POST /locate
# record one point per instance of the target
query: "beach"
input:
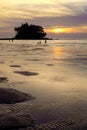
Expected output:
(48, 81)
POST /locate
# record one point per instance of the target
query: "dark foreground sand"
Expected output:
(14, 118)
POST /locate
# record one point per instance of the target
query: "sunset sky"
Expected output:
(60, 19)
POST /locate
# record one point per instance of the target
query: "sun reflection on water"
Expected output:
(57, 51)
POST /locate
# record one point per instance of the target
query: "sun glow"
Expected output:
(58, 30)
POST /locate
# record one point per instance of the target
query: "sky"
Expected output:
(61, 19)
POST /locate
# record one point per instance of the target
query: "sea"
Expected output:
(58, 79)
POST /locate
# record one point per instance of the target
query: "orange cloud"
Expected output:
(58, 30)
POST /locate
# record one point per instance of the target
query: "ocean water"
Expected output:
(60, 87)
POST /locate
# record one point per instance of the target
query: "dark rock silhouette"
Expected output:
(11, 96)
(26, 31)
(26, 73)
(3, 79)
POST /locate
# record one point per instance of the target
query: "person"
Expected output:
(45, 41)
(39, 42)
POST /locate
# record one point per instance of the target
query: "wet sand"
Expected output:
(10, 116)
(14, 114)
(56, 75)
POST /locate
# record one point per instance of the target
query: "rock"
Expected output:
(9, 96)
(15, 66)
(50, 64)
(3, 79)
(27, 73)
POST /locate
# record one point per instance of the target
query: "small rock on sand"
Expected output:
(3, 79)
(9, 96)
(15, 66)
(27, 73)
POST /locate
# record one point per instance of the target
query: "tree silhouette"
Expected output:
(26, 31)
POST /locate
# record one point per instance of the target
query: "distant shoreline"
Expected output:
(6, 38)
(26, 39)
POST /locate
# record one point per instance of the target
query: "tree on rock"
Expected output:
(26, 31)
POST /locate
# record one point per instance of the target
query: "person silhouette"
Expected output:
(45, 41)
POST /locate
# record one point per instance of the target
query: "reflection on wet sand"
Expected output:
(57, 51)
(55, 74)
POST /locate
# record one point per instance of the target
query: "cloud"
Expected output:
(46, 8)
(67, 30)
(48, 13)
(63, 21)
(69, 36)
(75, 23)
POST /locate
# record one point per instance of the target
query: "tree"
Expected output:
(26, 31)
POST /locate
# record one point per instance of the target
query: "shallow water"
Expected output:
(60, 87)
